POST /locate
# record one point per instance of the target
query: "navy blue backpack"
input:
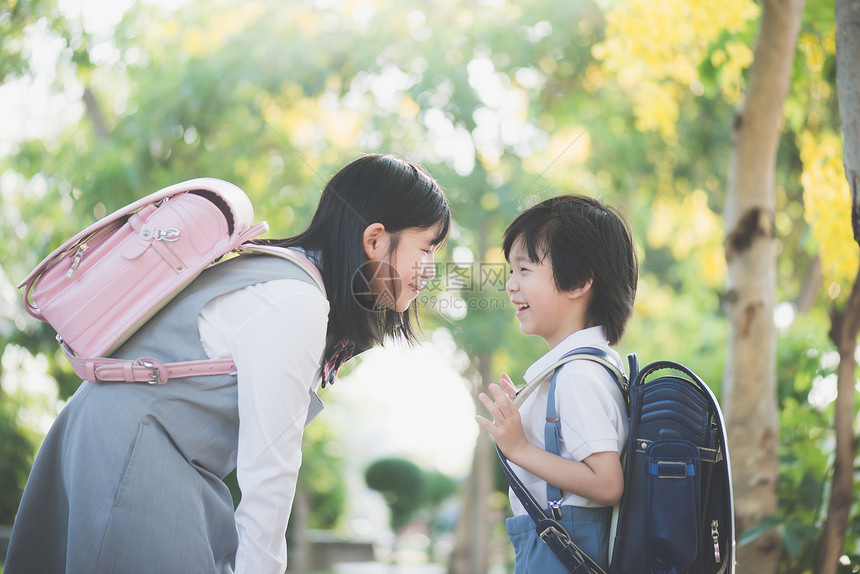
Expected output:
(676, 515)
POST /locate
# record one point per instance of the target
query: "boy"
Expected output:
(573, 275)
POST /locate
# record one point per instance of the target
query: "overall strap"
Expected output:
(552, 431)
(550, 531)
(551, 435)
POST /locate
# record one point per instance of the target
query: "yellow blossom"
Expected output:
(650, 46)
(827, 207)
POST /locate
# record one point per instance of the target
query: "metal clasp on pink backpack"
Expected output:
(159, 234)
(153, 365)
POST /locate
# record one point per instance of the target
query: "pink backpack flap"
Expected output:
(101, 285)
(153, 371)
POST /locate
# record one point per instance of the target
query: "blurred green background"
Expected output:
(505, 103)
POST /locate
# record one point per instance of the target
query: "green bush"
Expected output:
(16, 458)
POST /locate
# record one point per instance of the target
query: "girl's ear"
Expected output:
(580, 291)
(375, 241)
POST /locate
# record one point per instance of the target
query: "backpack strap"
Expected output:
(143, 370)
(290, 254)
(552, 430)
(594, 354)
(549, 529)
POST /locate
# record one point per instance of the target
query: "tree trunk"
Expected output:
(848, 90)
(844, 327)
(846, 323)
(299, 547)
(471, 550)
(811, 286)
(749, 386)
(95, 112)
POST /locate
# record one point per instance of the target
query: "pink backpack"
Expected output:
(104, 283)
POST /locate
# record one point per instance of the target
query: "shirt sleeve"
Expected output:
(275, 333)
(589, 406)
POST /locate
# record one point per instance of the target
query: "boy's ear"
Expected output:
(374, 240)
(581, 291)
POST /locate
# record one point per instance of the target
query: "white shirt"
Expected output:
(275, 333)
(589, 405)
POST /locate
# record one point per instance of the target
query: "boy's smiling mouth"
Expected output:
(521, 307)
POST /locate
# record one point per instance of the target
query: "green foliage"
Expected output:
(401, 484)
(438, 487)
(407, 488)
(660, 333)
(806, 446)
(16, 453)
(276, 96)
(321, 476)
(15, 17)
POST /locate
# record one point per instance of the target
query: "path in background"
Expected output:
(380, 568)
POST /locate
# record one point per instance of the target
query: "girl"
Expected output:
(129, 479)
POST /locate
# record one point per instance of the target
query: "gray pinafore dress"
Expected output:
(129, 478)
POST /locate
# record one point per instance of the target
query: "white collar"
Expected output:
(590, 337)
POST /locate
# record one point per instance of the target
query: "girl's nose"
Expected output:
(429, 267)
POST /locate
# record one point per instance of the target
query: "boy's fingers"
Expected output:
(508, 385)
(491, 406)
(499, 394)
(487, 425)
(503, 400)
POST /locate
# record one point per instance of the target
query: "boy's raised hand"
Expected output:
(506, 427)
(507, 385)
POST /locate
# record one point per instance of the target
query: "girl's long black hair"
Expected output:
(372, 189)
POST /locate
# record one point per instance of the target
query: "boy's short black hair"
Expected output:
(584, 239)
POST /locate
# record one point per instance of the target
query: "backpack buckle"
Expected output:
(672, 469)
(551, 530)
(155, 373)
(167, 234)
(555, 506)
